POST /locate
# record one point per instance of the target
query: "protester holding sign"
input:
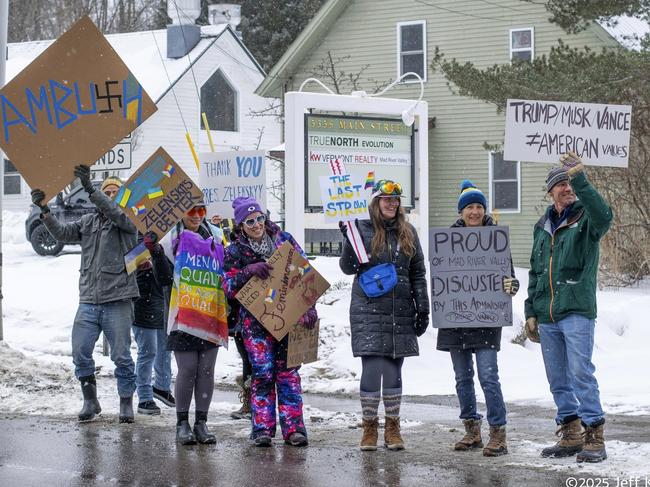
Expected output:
(561, 306)
(256, 239)
(484, 343)
(197, 323)
(389, 308)
(106, 291)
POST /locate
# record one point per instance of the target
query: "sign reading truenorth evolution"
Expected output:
(541, 131)
(384, 146)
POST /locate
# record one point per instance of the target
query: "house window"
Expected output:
(12, 181)
(412, 49)
(522, 44)
(219, 103)
(505, 184)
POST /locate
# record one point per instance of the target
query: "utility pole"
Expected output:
(4, 24)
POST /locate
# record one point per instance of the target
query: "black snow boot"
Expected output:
(184, 435)
(126, 410)
(91, 405)
(201, 431)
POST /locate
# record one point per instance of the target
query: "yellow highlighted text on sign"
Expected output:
(344, 198)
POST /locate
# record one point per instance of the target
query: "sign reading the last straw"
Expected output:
(363, 145)
(158, 194)
(70, 106)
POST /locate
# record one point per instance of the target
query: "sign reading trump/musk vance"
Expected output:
(224, 176)
(467, 270)
(361, 145)
(541, 131)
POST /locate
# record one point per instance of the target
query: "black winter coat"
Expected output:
(153, 284)
(470, 338)
(384, 325)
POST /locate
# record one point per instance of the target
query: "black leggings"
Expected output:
(247, 368)
(373, 368)
(195, 375)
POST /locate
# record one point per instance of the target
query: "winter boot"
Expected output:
(297, 439)
(369, 438)
(262, 441)
(91, 405)
(126, 410)
(497, 445)
(184, 435)
(164, 397)
(472, 438)
(202, 433)
(392, 436)
(594, 449)
(571, 440)
(148, 407)
(244, 412)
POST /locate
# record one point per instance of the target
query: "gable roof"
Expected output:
(139, 51)
(320, 25)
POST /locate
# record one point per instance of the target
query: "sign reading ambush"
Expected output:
(362, 145)
(541, 131)
(467, 270)
(70, 106)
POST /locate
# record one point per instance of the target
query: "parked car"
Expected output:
(68, 206)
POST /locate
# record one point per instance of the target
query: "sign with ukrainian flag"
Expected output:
(158, 194)
(70, 106)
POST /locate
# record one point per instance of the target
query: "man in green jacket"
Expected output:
(561, 306)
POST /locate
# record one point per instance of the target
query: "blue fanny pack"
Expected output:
(378, 280)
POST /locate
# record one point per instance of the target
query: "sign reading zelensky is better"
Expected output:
(541, 131)
(70, 106)
(224, 176)
(384, 146)
(158, 194)
(344, 198)
(467, 270)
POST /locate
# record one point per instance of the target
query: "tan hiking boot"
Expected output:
(593, 450)
(472, 438)
(571, 440)
(369, 438)
(244, 412)
(497, 445)
(392, 437)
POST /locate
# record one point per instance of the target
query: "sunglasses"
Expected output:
(251, 222)
(199, 211)
(389, 188)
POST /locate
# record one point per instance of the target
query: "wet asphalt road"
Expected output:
(52, 451)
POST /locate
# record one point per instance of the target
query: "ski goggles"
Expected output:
(199, 211)
(386, 188)
(251, 222)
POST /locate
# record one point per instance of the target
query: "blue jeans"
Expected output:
(152, 355)
(114, 319)
(567, 346)
(488, 377)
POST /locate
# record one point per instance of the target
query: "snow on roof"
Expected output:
(628, 31)
(137, 49)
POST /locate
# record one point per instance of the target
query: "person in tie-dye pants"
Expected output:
(256, 238)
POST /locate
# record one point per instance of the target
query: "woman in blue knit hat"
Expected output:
(483, 343)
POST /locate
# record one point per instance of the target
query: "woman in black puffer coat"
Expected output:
(385, 328)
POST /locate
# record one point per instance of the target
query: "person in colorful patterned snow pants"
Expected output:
(256, 238)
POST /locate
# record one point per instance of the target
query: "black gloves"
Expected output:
(83, 173)
(37, 198)
(150, 241)
(421, 323)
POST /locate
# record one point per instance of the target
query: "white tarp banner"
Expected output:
(541, 131)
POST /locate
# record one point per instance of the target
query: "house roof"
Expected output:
(624, 31)
(139, 51)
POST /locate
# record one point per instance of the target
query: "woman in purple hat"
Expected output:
(255, 240)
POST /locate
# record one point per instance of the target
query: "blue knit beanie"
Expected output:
(470, 194)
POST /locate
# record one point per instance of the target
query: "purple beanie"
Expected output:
(244, 206)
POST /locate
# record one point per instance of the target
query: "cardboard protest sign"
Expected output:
(467, 270)
(279, 301)
(224, 176)
(303, 345)
(541, 131)
(158, 194)
(344, 198)
(71, 105)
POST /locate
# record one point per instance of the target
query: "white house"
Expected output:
(218, 67)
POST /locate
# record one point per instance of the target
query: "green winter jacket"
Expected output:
(564, 263)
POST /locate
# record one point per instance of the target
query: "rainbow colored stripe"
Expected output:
(168, 170)
(370, 180)
(270, 295)
(139, 210)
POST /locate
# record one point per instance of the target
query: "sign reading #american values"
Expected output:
(541, 131)
(467, 270)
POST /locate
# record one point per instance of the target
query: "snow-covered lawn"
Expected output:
(40, 300)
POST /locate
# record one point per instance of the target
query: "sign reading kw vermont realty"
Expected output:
(226, 175)
(467, 270)
(541, 131)
(382, 145)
